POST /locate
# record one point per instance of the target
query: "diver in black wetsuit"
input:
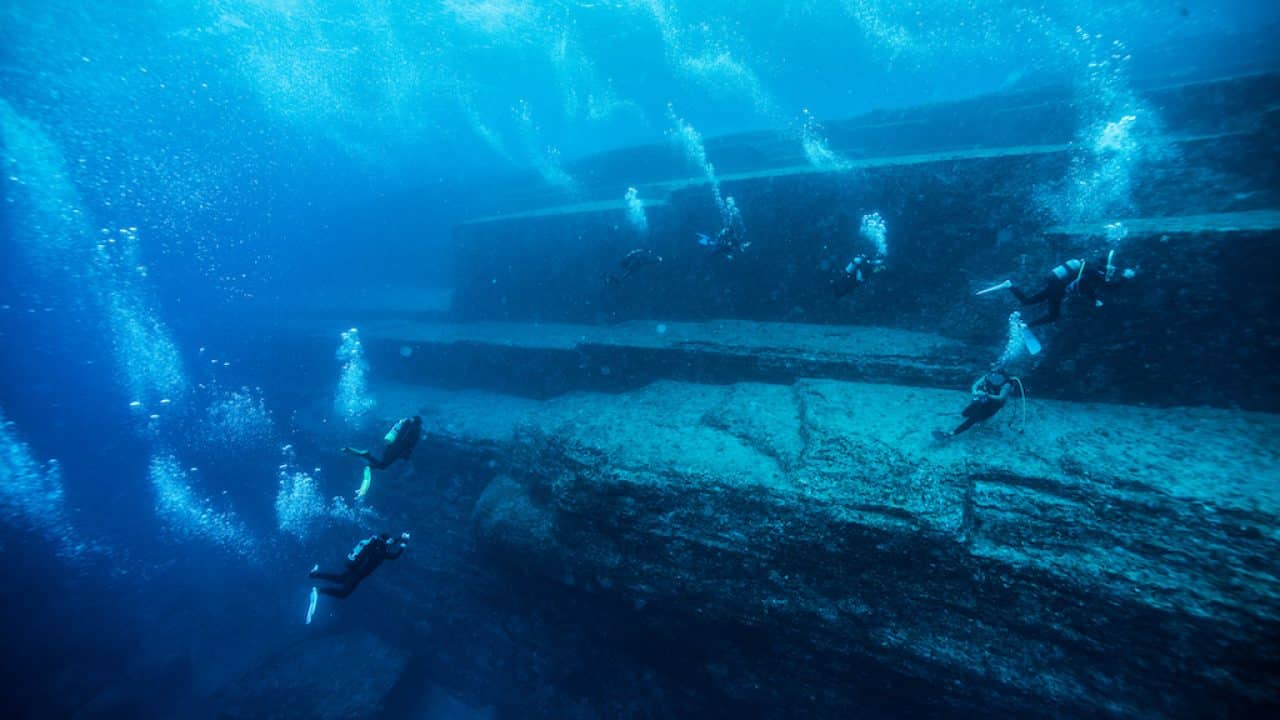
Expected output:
(1073, 277)
(633, 261)
(728, 242)
(990, 393)
(400, 443)
(363, 559)
(858, 271)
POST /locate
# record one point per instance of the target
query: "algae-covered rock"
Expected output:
(1108, 560)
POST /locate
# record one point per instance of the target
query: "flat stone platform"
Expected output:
(543, 359)
(1012, 570)
(658, 194)
(1249, 221)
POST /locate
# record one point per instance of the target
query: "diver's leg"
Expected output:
(1026, 299)
(843, 284)
(980, 414)
(344, 584)
(378, 463)
(362, 454)
(339, 591)
(332, 577)
(1055, 309)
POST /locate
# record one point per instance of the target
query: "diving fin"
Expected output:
(1002, 286)
(1030, 341)
(365, 483)
(703, 240)
(311, 609)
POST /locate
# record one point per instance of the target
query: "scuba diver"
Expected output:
(363, 559)
(1073, 277)
(990, 393)
(633, 261)
(402, 438)
(400, 441)
(727, 242)
(858, 271)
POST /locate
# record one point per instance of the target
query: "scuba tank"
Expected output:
(1069, 268)
(359, 548)
(395, 430)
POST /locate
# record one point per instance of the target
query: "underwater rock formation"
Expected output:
(964, 187)
(541, 360)
(811, 549)
(333, 677)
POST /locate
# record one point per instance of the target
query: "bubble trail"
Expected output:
(352, 401)
(635, 211)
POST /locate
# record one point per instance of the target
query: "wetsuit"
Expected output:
(1071, 277)
(854, 274)
(990, 398)
(633, 261)
(727, 242)
(367, 555)
(400, 443)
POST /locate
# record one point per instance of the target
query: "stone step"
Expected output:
(1251, 221)
(1001, 124)
(1005, 570)
(659, 194)
(545, 359)
(954, 227)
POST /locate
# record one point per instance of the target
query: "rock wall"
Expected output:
(761, 550)
(959, 217)
(335, 677)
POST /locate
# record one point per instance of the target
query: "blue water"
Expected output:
(181, 177)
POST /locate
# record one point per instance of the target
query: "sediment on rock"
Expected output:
(1016, 572)
(333, 677)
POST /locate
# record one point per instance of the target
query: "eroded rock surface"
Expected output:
(334, 677)
(546, 359)
(1108, 560)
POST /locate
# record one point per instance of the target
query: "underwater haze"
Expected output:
(716, 359)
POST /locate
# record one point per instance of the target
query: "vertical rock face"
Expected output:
(825, 556)
(979, 209)
(544, 360)
(336, 677)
